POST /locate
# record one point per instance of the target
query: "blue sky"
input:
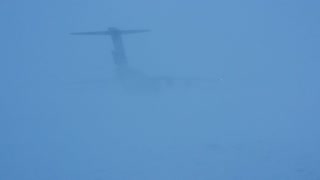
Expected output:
(59, 120)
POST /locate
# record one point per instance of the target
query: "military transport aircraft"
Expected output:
(129, 77)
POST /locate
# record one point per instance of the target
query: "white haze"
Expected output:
(61, 119)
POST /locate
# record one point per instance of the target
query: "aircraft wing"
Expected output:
(185, 81)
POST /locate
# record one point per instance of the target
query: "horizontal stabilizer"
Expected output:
(112, 31)
(134, 31)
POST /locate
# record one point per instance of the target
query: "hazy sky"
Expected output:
(60, 121)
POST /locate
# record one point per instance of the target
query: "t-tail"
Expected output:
(118, 53)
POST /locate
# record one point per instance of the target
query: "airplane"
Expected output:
(130, 77)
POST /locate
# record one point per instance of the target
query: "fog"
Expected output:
(63, 117)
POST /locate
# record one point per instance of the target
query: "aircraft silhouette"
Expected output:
(129, 76)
